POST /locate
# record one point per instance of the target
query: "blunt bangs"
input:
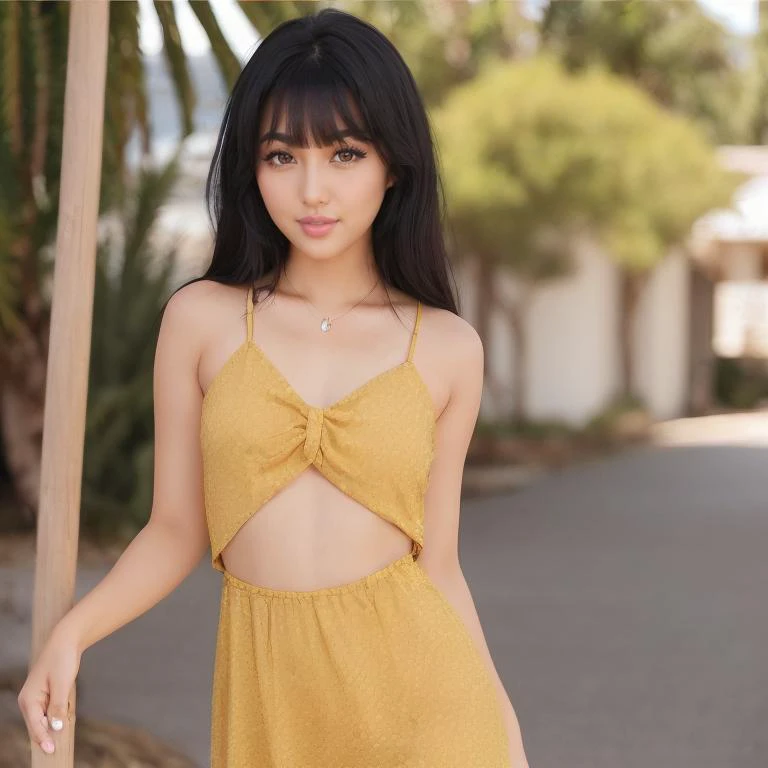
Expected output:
(317, 107)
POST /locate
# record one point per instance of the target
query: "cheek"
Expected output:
(373, 180)
(272, 192)
(362, 193)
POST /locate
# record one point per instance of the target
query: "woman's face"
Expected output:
(345, 182)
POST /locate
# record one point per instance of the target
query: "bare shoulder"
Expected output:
(452, 354)
(197, 310)
(455, 340)
(198, 300)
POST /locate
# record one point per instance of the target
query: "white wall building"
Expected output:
(573, 348)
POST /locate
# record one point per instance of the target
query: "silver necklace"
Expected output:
(325, 323)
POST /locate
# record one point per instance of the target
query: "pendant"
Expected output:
(325, 325)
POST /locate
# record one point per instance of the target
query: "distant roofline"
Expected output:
(744, 221)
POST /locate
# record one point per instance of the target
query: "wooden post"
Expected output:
(70, 340)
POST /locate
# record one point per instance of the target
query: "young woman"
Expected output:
(315, 394)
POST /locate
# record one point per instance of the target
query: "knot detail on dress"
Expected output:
(314, 432)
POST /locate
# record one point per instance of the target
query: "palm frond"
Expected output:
(228, 64)
(177, 64)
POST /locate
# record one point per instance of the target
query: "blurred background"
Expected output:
(606, 176)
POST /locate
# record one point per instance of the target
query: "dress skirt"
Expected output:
(380, 672)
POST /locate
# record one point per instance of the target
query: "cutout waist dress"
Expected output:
(375, 444)
(379, 672)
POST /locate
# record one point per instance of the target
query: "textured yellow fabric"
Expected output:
(377, 673)
(376, 443)
(380, 672)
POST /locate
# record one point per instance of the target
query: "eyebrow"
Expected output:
(285, 138)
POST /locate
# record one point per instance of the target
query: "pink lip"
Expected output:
(316, 220)
(317, 227)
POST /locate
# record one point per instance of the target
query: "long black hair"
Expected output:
(313, 69)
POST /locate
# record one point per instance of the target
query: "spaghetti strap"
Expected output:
(249, 313)
(415, 332)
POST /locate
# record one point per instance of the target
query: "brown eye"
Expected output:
(356, 154)
(276, 153)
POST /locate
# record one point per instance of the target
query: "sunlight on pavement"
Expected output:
(724, 429)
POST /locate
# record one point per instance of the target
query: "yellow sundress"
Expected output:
(380, 672)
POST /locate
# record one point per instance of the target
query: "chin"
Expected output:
(319, 251)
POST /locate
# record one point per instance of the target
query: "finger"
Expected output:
(58, 707)
(37, 724)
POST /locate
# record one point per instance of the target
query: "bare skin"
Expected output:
(310, 534)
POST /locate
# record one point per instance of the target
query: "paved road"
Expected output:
(624, 603)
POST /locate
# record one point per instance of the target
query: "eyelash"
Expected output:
(358, 153)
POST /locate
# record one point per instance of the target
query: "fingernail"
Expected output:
(56, 724)
(47, 746)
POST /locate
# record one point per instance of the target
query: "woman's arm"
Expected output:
(174, 539)
(440, 557)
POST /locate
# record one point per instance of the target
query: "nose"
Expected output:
(313, 185)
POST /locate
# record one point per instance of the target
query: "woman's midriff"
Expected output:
(310, 536)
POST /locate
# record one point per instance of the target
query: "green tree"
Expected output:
(133, 280)
(758, 132)
(445, 44)
(675, 52)
(534, 159)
